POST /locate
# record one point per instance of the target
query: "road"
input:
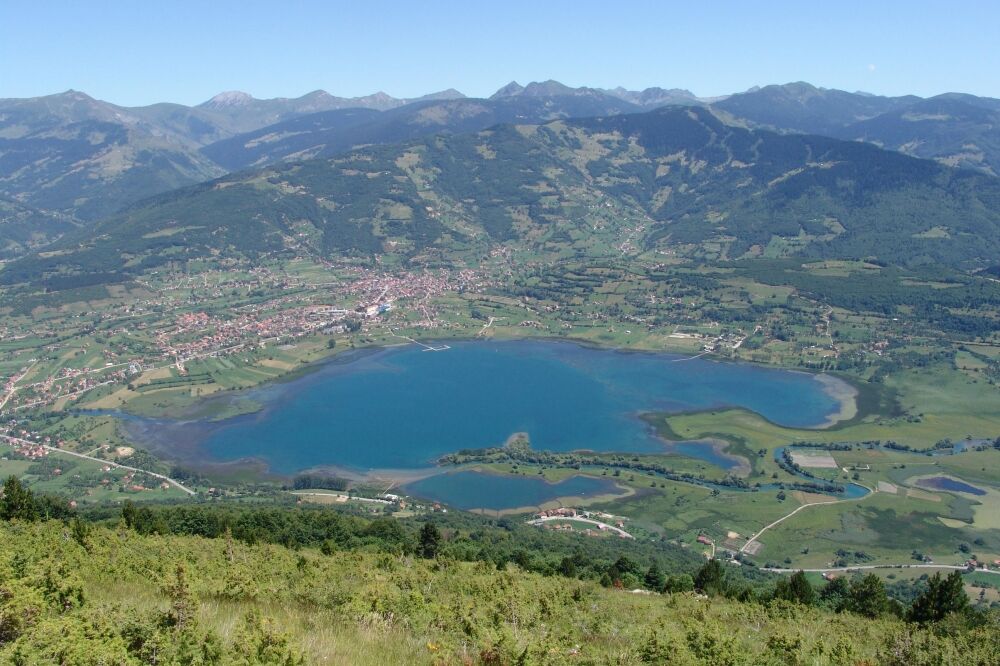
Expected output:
(53, 449)
(789, 515)
(341, 497)
(488, 324)
(690, 358)
(13, 384)
(611, 528)
(417, 342)
(954, 567)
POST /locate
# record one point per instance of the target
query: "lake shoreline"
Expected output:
(843, 393)
(188, 449)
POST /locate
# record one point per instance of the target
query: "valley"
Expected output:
(192, 340)
(557, 374)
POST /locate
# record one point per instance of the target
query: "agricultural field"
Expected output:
(162, 346)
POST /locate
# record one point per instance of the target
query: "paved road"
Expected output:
(610, 528)
(954, 567)
(341, 496)
(53, 449)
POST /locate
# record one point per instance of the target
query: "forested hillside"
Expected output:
(23, 228)
(676, 179)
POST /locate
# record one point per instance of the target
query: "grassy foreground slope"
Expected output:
(123, 598)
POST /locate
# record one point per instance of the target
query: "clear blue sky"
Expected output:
(143, 51)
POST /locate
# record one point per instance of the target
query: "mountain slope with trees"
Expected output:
(330, 133)
(678, 178)
(954, 129)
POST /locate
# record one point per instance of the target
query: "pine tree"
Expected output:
(836, 594)
(796, 588)
(129, 514)
(943, 597)
(868, 597)
(80, 531)
(183, 606)
(710, 578)
(17, 502)
(430, 539)
(654, 578)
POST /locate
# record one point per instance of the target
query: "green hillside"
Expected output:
(960, 130)
(23, 228)
(802, 107)
(97, 595)
(87, 158)
(333, 132)
(676, 180)
(954, 129)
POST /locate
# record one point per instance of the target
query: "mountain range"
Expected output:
(953, 128)
(676, 181)
(68, 160)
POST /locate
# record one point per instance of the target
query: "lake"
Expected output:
(950, 484)
(401, 408)
(478, 490)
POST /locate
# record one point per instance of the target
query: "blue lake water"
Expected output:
(706, 451)
(947, 483)
(477, 490)
(402, 408)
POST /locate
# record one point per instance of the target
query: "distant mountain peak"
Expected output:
(228, 99)
(317, 94)
(511, 89)
(379, 98)
(77, 95)
(548, 88)
(652, 97)
(450, 93)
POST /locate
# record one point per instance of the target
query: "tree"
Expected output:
(625, 572)
(867, 597)
(654, 578)
(17, 502)
(430, 540)
(796, 588)
(836, 594)
(943, 597)
(567, 567)
(657, 650)
(183, 606)
(129, 514)
(80, 531)
(259, 643)
(801, 589)
(388, 534)
(679, 583)
(710, 579)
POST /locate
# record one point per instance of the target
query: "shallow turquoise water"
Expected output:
(477, 490)
(403, 407)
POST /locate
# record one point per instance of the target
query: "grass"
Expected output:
(376, 608)
(888, 528)
(940, 403)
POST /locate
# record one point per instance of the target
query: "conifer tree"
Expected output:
(943, 597)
